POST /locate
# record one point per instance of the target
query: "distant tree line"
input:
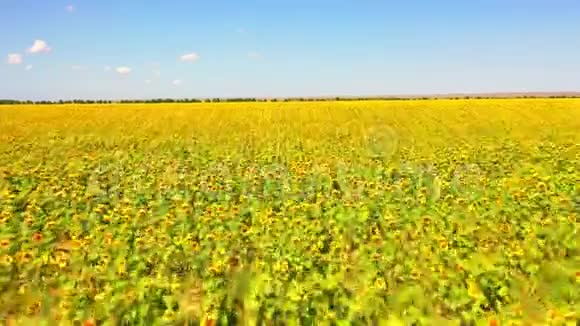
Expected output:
(289, 99)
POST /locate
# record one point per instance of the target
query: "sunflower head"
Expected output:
(4, 243)
(37, 237)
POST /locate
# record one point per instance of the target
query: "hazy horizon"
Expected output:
(182, 49)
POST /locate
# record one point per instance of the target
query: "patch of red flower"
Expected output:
(89, 322)
(37, 237)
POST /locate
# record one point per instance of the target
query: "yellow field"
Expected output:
(310, 212)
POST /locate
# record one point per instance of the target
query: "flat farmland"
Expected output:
(419, 211)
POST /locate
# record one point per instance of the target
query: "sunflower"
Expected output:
(541, 187)
(377, 257)
(4, 243)
(108, 238)
(4, 216)
(89, 322)
(6, 260)
(23, 257)
(62, 261)
(380, 284)
(215, 269)
(443, 243)
(416, 274)
(33, 308)
(37, 237)
(169, 315)
(505, 227)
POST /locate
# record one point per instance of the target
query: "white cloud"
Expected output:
(190, 57)
(70, 8)
(254, 55)
(107, 68)
(14, 59)
(28, 68)
(39, 46)
(176, 82)
(78, 67)
(148, 81)
(123, 70)
(157, 73)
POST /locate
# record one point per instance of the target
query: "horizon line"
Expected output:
(465, 95)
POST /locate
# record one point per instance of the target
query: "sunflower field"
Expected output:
(423, 212)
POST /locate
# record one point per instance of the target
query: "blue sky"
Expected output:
(187, 48)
